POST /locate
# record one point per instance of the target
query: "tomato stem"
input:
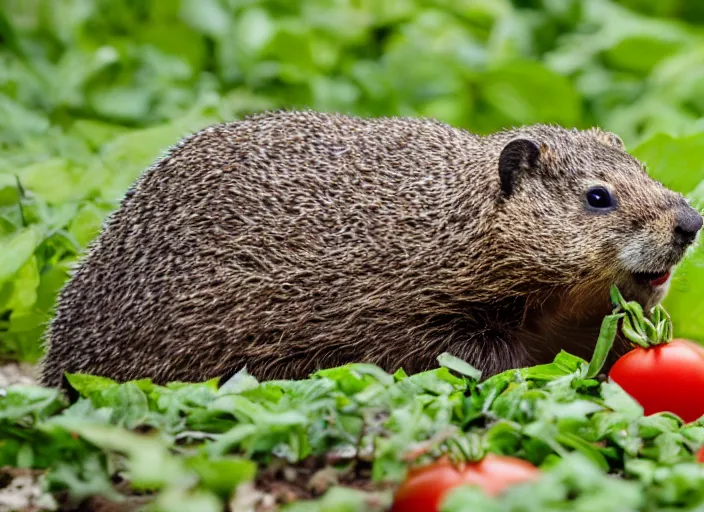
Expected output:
(641, 329)
(470, 448)
(635, 325)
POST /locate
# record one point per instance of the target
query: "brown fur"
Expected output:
(293, 241)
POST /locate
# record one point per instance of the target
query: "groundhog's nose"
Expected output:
(689, 222)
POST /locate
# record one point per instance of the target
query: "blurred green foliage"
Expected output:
(92, 91)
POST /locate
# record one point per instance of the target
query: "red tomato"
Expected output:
(425, 487)
(668, 377)
(700, 454)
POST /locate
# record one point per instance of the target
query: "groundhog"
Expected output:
(293, 241)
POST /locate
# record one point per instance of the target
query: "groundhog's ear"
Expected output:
(517, 157)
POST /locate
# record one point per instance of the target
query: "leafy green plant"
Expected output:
(200, 443)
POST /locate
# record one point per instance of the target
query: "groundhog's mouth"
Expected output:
(652, 278)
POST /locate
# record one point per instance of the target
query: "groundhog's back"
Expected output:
(285, 242)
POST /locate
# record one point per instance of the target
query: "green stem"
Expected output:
(635, 326)
(607, 335)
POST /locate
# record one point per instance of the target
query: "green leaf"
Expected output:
(607, 335)
(206, 16)
(150, 463)
(86, 385)
(439, 381)
(29, 402)
(354, 378)
(224, 443)
(51, 179)
(183, 500)
(527, 92)
(468, 498)
(640, 53)
(458, 365)
(585, 448)
(563, 364)
(16, 250)
(84, 480)
(239, 382)
(669, 447)
(24, 288)
(618, 400)
(656, 424)
(222, 475)
(683, 301)
(246, 410)
(673, 160)
(123, 104)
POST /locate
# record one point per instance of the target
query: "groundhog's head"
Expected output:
(575, 209)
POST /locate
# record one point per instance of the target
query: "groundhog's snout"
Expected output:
(688, 223)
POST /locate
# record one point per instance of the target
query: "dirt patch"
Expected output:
(279, 484)
(17, 373)
(21, 489)
(283, 483)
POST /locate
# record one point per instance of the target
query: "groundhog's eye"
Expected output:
(599, 197)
